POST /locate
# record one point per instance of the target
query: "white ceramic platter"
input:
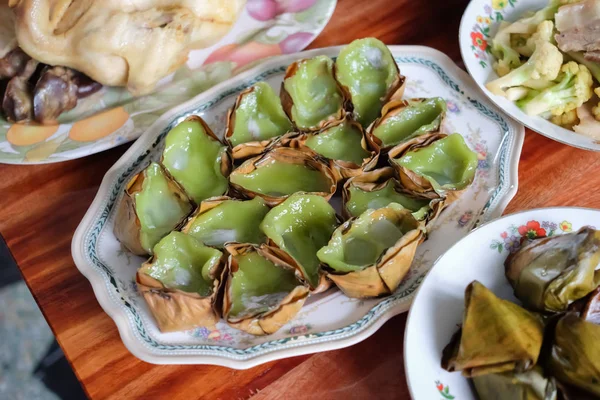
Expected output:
(112, 116)
(329, 320)
(438, 307)
(478, 26)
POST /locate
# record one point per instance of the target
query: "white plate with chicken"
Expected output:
(539, 61)
(74, 83)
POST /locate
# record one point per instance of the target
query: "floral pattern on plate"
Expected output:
(515, 235)
(112, 116)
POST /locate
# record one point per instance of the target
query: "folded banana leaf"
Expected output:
(221, 220)
(403, 120)
(369, 256)
(310, 95)
(281, 172)
(550, 273)
(435, 165)
(180, 283)
(152, 206)
(528, 385)
(344, 143)
(367, 71)
(378, 188)
(575, 355)
(255, 120)
(496, 336)
(261, 294)
(196, 159)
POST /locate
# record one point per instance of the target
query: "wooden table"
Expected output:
(40, 207)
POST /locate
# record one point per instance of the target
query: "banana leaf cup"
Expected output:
(261, 294)
(575, 354)
(255, 121)
(379, 188)
(180, 283)
(197, 159)
(369, 256)
(220, 220)
(281, 172)
(496, 336)
(152, 206)
(549, 274)
(349, 150)
(296, 229)
(402, 120)
(527, 385)
(310, 95)
(367, 71)
(435, 165)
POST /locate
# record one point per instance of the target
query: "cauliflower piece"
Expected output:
(529, 24)
(517, 93)
(566, 120)
(588, 125)
(592, 66)
(544, 63)
(596, 109)
(574, 88)
(507, 58)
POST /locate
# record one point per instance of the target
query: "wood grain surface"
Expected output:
(40, 207)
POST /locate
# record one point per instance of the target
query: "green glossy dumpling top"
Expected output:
(258, 285)
(314, 92)
(367, 69)
(448, 163)
(158, 206)
(258, 116)
(408, 119)
(230, 221)
(362, 200)
(182, 262)
(300, 226)
(369, 236)
(339, 142)
(194, 159)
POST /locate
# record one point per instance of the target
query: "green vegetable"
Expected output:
(368, 70)
(311, 96)
(256, 116)
(300, 226)
(222, 221)
(159, 207)
(194, 156)
(182, 262)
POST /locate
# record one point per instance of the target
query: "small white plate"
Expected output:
(439, 303)
(330, 320)
(479, 24)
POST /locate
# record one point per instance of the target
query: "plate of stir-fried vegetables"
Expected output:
(539, 60)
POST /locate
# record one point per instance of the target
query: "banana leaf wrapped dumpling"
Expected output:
(368, 256)
(195, 158)
(296, 229)
(575, 354)
(221, 220)
(310, 95)
(496, 336)
(281, 172)
(378, 188)
(435, 165)
(403, 120)
(180, 283)
(261, 293)
(550, 273)
(366, 69)
(153, 205)
(344, 143)
(255, 120)
(527, 385)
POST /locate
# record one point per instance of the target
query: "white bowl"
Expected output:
(438, 306)
(330, 320)
(480, 21)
